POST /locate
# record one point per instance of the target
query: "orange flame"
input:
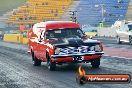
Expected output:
(81, 71)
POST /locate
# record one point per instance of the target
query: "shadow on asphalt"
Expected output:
(69, 68)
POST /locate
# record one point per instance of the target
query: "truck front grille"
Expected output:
(82, 49)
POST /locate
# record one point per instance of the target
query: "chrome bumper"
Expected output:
(78, 54)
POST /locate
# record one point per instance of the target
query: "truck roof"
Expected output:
(51, 25)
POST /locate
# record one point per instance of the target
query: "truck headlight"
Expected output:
(57, 50)
(97, 48)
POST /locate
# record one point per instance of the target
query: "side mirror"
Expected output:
(91, 37)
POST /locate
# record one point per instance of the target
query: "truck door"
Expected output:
(42, 47)
(120, 33)
(36, 50)
(125, 34)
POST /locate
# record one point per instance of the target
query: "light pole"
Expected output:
(102, 10)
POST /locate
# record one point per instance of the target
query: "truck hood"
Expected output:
(74, 42)
(126, 32)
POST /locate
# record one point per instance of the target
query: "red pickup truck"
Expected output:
(58, 42)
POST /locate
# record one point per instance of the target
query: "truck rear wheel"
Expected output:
(36, 61)
(95, 63)
(51, 65)
(119, 40)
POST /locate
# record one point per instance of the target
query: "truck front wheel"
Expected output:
(119, 40)
(36, 61)
(95, 63)
(51, 65)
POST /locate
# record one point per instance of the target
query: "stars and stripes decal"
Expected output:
(76, 50)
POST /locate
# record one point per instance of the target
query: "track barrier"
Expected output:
(15, 38)
(107, 32)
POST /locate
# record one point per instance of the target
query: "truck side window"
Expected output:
(130, 27)
(50, 35)
(126, 28)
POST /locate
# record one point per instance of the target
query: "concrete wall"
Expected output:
(15, 38)
(107, 32)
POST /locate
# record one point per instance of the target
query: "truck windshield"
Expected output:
(130, 27)
(64, 33)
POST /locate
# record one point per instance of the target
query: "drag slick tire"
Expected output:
(130, 40)
(36, 61)
(95, 63)
(51, 65)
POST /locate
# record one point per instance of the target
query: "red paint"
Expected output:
(92, 57)
(67, 59)
(61, 25)
(70, 59)
(41, 49)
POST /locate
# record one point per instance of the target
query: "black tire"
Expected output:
(36, 61)
(130, 40)
(51, 65)
(119, 40)
(95, 63)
